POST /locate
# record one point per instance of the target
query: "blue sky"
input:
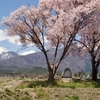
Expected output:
(6, 7)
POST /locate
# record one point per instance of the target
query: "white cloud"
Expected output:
(13, 40)
(2, 49)
(3, 35)
(27, 52)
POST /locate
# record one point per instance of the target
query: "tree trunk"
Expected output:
(94, 67)
(51, 77)
(94, 71)
(94, 74)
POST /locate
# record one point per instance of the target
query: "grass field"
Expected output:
(30, 89)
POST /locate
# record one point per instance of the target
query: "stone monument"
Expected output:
(66, 75)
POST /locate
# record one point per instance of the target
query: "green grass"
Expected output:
(26, 93)
(74, 97)
(59, 84)
(25, 98)
(79, 84)
(56, 95)
(9, 92)
(41, 94)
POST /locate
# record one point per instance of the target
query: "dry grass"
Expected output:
(27, 89)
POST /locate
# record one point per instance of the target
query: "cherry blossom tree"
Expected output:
(90, 41)
(55, 21)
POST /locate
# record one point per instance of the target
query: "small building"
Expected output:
(66, 75)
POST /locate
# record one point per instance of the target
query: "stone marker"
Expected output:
(66, 75)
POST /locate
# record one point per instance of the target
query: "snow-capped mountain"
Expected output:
(5, 54)
(37, 59)
(11, 60)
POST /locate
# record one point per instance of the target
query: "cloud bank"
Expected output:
(4, 36)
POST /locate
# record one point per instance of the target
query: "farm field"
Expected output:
(33, 89)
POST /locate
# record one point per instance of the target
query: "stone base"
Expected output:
(66, 80)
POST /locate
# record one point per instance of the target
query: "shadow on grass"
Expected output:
(59, 84)
(42, 84)
(95, 83)
(90, 83)
(47, 84)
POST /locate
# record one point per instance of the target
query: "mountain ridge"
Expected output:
(38, 59)
(7, 55)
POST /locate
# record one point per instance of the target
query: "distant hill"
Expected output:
(34, 70)
(16, 62)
